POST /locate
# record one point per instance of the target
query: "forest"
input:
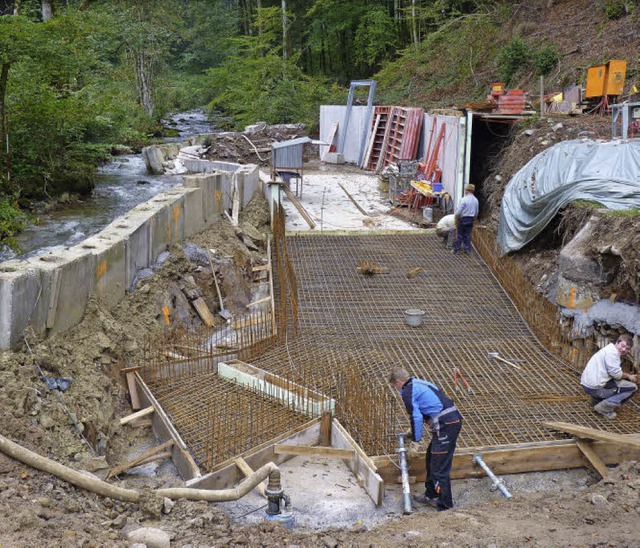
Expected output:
(81, 80)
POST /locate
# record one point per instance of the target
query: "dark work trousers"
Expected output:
(439, 460)
(465, 226)
(614, 393)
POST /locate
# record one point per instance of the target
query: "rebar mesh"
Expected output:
(346, 317)
(339, 332)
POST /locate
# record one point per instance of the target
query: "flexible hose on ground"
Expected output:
(105, 489)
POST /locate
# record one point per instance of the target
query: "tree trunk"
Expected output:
(414, 24)
(285, 41)
(47, 9)
(16, 7)
(259, 4)
(4, 145)
(144, 77)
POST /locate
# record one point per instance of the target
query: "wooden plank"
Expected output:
(117, 470)
(142, 413)
(247, 471)
(514, 459)
(203, 311)
(259, 301)
(133, 391)
(361, 465)
(226, 474)
(260, 267)
(591, 456)
(163, 428)
(325, 429)
(593, 434)
(353, 201)
(299, 207)
(314, 451)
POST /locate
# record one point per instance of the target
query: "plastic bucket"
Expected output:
(427, 214)
(413, 316)
(437, 187)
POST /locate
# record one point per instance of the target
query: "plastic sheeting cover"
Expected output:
(607, 172)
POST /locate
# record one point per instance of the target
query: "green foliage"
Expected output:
(518, 57)
(375, 39)
(12, 221)
(513, 57)
(615, 9)
(443, 67)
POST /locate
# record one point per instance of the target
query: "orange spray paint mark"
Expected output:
(100, 272)
(165, 313)
(572, 297)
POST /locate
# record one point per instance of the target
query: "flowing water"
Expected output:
(121, 185)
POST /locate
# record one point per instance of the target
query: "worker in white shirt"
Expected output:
(604, 380)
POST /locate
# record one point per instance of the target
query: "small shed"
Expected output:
(287, 160)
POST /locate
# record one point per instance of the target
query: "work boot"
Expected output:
(606, 410)
(424, 499)
(593, 401)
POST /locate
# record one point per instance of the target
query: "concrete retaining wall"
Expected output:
(50, 292)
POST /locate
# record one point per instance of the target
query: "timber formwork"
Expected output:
(342, 333)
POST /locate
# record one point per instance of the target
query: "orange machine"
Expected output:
(603, 80)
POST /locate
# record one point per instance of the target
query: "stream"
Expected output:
(121, 185)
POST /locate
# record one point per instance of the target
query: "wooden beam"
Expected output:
(259, 301)
(590, 454)
(353, 201)
(325, 429)
(163, 428)
(139, 414)
(361, 465)
(117, 470)
(593, 434)
(299, 207)
(247, 471)
(513, 459)
(203, 311)
(133, 390)
(314, 451)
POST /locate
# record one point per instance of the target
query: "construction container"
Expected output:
(615, 77)
(595, 81)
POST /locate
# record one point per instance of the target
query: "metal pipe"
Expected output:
(404, 468)
(497, 482)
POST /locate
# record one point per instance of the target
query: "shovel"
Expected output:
(224, 313)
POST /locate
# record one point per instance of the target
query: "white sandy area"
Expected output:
(330, 208)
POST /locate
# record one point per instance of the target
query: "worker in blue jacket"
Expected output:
(426, 403)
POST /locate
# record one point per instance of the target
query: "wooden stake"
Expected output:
(142, 413)
(203, 311)
(247, 471)
(139, 460)
(591, 456)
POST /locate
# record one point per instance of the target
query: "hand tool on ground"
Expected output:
(404, 469)
(458, 375)
(496, 356)
(223, 312)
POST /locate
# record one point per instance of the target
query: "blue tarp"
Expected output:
(607, 172)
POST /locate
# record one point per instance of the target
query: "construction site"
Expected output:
(281, 293)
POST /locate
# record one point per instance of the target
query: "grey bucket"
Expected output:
(413, 316)
(427, 214)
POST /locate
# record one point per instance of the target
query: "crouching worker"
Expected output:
(604, 380)
(446, 229)
(426, 403)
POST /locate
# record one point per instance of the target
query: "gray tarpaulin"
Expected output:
(607, 172)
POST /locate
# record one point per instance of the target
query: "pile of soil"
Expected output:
(254, 144)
